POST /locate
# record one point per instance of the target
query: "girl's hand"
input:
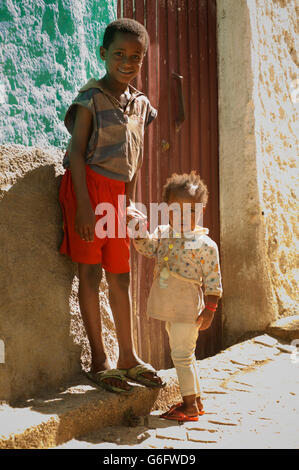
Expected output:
(130, 217)
(205, 319)
(140, 227)
(132, 213)
(85, 223)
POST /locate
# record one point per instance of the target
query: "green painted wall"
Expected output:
(49, 48)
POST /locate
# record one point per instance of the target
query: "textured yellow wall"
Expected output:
(258, 127)
(275, 65)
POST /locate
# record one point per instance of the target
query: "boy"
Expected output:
(107, 122)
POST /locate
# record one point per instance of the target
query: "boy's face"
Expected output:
(189, 214)
(124, 57)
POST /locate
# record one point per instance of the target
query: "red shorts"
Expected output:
(113, 252)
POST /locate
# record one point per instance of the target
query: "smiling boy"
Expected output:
(107, 122)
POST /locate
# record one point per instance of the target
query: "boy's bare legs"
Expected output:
(90, 276)
(89, 282)
(120, 302)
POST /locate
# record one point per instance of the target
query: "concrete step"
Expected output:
(77, 409)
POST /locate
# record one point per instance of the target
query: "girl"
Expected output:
(185, 258)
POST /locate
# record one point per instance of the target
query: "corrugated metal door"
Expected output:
(179, 76)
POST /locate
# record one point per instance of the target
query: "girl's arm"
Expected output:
(212, 285)
(148, 245)
(85, 216)
(211, 270)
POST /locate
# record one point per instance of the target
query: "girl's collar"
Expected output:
(190, 235)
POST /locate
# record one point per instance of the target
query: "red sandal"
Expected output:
(177, 415)
(174, 407)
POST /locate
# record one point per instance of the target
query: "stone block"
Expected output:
(286, 348)
(285, 329)
(224, 421)
(177, 433)
(201, 425)
(202, 436)
(265, 340)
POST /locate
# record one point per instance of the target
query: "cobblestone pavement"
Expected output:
(250, 394)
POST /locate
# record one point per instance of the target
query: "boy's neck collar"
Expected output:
(93, 83)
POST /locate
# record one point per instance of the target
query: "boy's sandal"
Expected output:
(136, 374)
(99, 379)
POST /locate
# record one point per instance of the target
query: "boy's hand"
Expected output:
(85, 223)
(205, 319)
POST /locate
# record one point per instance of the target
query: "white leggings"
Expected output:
(182, 340)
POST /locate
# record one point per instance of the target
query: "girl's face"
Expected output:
(185, 214)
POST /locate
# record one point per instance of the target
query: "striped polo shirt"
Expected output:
(115, 147)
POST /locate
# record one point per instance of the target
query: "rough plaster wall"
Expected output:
(257, 149)
(275, 64)
(247, 300)
(40, 321)
(49, 48)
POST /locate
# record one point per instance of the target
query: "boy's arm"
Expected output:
(131, 189)
(85, 217)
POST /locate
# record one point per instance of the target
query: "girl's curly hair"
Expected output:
(189, 183)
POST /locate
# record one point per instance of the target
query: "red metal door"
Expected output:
(179, 76)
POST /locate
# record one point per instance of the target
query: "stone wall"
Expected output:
(34, 279)
(258, 128)
(40, 323)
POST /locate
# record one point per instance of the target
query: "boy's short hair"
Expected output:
(125, 25)
(188, 183)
